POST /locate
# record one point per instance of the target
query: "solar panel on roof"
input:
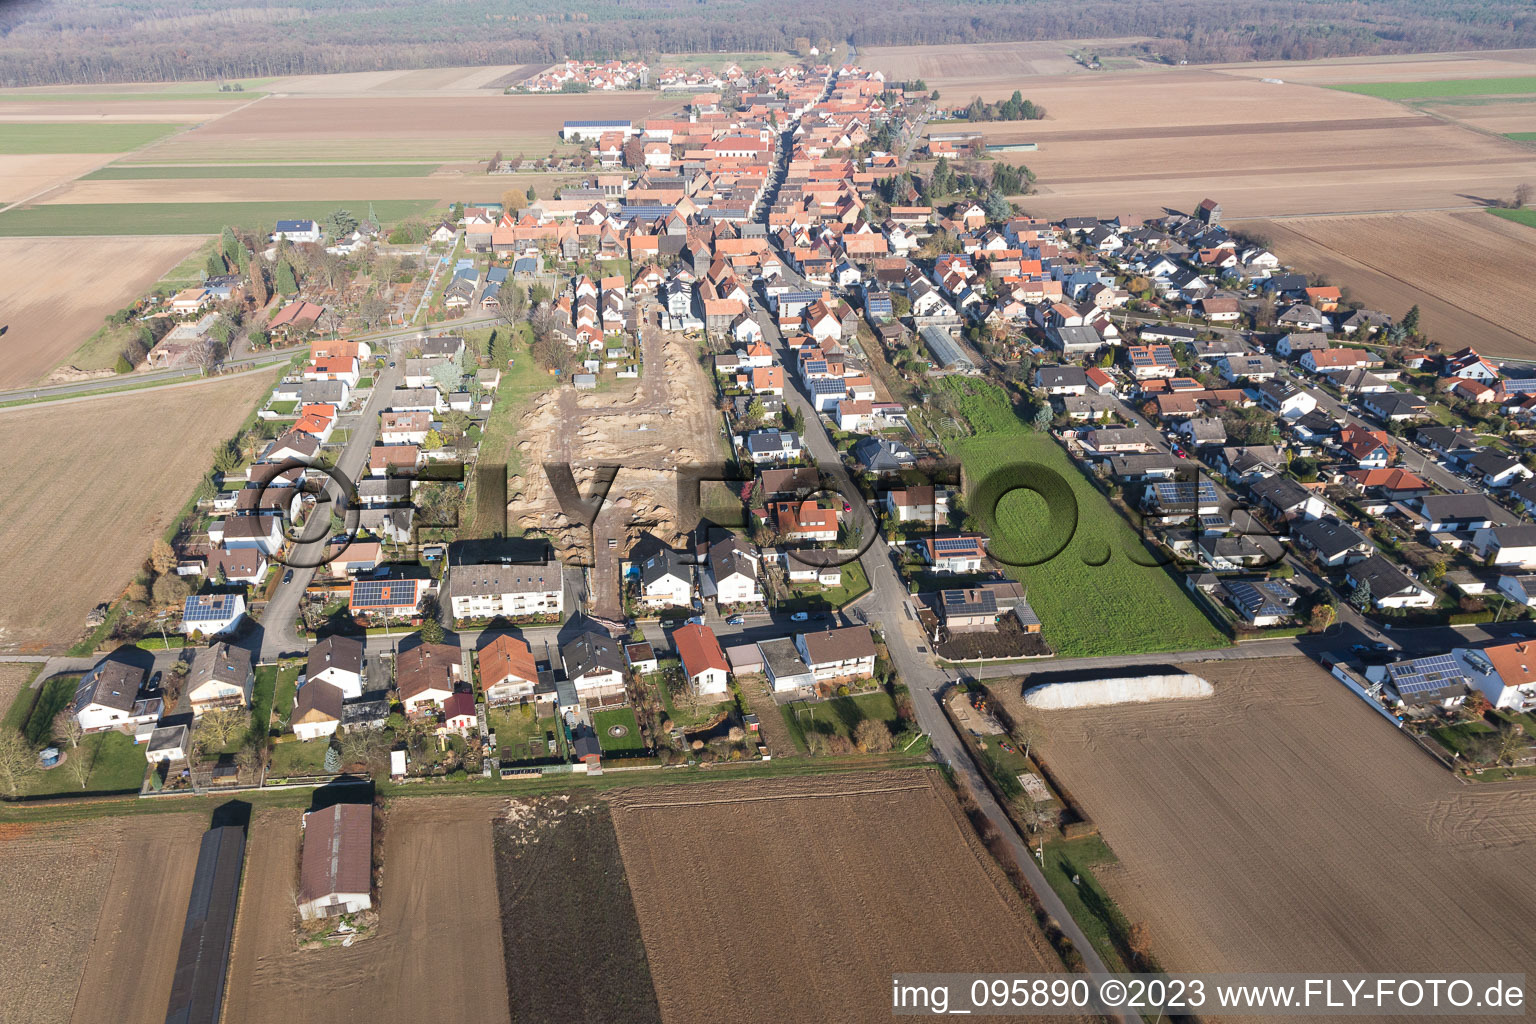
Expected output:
(1424, 674)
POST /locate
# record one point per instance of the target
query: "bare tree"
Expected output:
(66, 728)
(78, 763)
(221, 725)
(1522, 196)
(18, 761)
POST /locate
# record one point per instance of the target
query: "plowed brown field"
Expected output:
(796, 900)
(397, 128)
(49, 312)
(95, 911)
(1283, 826)
(437, 951)
(1469, 273)
(86, 486)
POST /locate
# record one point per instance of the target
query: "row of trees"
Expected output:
(141, 41)
(1014, 108)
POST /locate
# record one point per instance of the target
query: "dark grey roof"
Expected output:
(1329, 536)
(493, 579)
(1470, 507)
(592, 653)
(665, 562)
(112, 684)
(1061, 376)
(341, 652)
(1279, 491)
(1385, 578)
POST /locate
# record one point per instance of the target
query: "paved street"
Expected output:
(276, 635)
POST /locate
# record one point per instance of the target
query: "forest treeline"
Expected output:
(52, 42)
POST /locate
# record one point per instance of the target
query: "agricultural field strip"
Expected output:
(629, 805)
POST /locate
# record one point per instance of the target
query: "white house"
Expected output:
(703, 661)
(1519, 589)
(595, 666)
(732, 574)
(211, 614)
(1507, 545)
(316, 710)
(107, 698)
(338, 660)
(666, 581)
(518, 590)
(222, 676)
(838, 654)
(297, 231)
(1506, 673)
(264, 533)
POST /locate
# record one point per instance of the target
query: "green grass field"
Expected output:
(297, 758)
(184, 218)
(1091, 598)
(157, 172)
(1448, 87)
(630, 742)
(839, 716)
(1521, 136)
(1526, 216)
(117, 765)
(80, 137)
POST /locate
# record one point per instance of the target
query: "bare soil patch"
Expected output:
(51, 308)
(95, 910)
(1449, 264)
(991, 70)
(399, 127)
(651, 426)
(1276, 827)
(13, 679)
(86, 487)
(1393, 68)
(25, 174)
(562, 887)
(775, 900)
(132, 957)
(435, 953)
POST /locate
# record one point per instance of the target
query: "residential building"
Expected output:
(732, 576)
(221, 676)
(1506, 546)
(316, 710)
(338, 660)
(426, 675)
(107, 697)
(956, 553)
(336, 867)
(595, 666)
(512, 591)
(836, 656)
(212, 614)
(1505, 673)
(666, 581)
(785, 668)
(508, 672)
(703, 661)
(1332, 541)
(1390, 586)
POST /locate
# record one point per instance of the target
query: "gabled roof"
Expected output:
(338, 851)
(699, 649)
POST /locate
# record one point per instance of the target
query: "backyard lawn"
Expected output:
(295, 758)
(287, 690)
(1091, 597)
(807, 597)
(840, 715)
(117, 765)
(519, 736)
(618, 718)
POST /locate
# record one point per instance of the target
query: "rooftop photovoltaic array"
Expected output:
(1424, 674)
(208, 607)
(383, 592)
